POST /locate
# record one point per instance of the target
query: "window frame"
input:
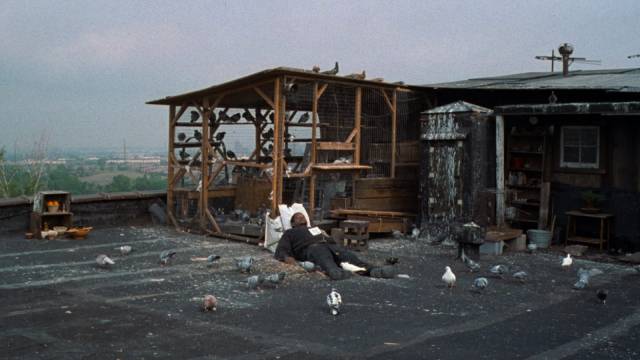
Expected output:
(580, 165)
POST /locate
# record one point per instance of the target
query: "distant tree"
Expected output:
(62, 178)
(119, 183)
(35, 165)
(150, 182)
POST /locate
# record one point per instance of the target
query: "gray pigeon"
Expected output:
(275, 279)
(211, 259)
(472, 265)
(304, 118)
(125, 249)
(415, 233)
(104, 261)
(479, 284)
(521, 276)
(254, 281)
(499, 270)
(244, 264)
(637, 268)
(166, 256)
(307, 265)
(584, 276)
(397, 234)
(334, 300)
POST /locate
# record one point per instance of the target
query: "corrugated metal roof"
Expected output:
(621, 80)
(605, 108)
(458, 107)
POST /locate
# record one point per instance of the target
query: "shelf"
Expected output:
(523, 221)
(531, 187)
(586, 240)
(525, 203)
(526, 170)
(536, 153)
(59, 213)
(340, 167)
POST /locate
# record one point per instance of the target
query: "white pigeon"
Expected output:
(480, 283)
(350, 267)
(566, 262)
(449, 277)
(334, 300)
(104, 261)
(125, 249)
(521, 276)
(415, 233)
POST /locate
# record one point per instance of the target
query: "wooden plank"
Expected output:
(383, 224)
(389, 193)
(358, 125)
(386, 99)
(500, 164)
(335, 145)
(409, 203)
(177, 116)
(277, 149)
(339, 167)
(212, 220)
(373, 213)
(312, 196)
(384, 183)
(394, 133)
(171, 163)
(204, 170)
(265, 97)
(543, 219)
(352, 135)
(322, 89)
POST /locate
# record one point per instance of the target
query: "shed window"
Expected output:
(580, 147)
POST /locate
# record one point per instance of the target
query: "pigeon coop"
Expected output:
(302, 136)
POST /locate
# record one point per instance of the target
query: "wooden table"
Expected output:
(605, 221)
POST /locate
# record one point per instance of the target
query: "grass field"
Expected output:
(105, 178)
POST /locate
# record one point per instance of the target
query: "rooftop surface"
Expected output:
(57, 304)
(619, 80)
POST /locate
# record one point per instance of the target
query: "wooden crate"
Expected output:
(408, 152)
(252, 194)
(386, 194)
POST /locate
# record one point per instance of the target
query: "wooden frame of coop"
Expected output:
(272, 99)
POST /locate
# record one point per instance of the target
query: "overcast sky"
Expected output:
(81, 71)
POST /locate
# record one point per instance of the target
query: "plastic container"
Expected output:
(541, 238)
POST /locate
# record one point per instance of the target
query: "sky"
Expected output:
(80, 72)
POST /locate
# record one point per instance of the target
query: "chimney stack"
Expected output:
(565, 50)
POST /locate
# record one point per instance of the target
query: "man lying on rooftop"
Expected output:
(301, 243)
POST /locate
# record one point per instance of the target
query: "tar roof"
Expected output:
(618, 80)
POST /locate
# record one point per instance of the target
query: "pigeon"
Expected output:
(220, 135)
(391, 260)
(247, 115)
(104, 261)
(235, 117)
(602, 296)
(209, 303)
(499, 270)
(449, 277)
(125, 249)
(479, 284)
(166, 256)
(472, 265)
(315, 69)
(584, 276)
(231, 155)
(637, 268)
(304, 118)
(350, 267)
(532, 248)
(244, 264)
(415, 233)
(272, 117)
(566, 262)
(211, 259)
(521, 276)
(254, 281)
(276, 279)
(194, 116)
(333, 71)
(307, 265)
(397, 234)
(268, 135)
(334, 300)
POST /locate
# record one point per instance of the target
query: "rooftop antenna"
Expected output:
(565, 51)
(633, 56)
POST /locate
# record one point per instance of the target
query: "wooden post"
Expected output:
(258, 124)
(314, 134)
(500, 189)
(170, 164)
(394, 120)
(357, 125)
(276, 181)
(204, 167)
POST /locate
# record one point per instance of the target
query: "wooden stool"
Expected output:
(355, 233)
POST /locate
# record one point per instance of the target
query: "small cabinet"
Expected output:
(51, 208)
